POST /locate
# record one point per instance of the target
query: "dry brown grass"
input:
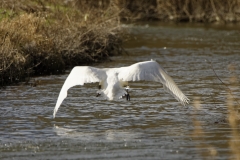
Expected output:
(181, 10)
(20, 39)
(46, 37)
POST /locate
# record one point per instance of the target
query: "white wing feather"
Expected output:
(79, 76)
(152, 71)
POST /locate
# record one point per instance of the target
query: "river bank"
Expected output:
(47, 37)
(204, 11)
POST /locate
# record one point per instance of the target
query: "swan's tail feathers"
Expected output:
(170, 86)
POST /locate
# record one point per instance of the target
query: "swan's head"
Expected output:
(127, 88)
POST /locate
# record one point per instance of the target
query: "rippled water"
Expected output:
(153, 125)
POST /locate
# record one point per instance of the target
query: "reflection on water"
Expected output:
(153, 125)
(108, 135)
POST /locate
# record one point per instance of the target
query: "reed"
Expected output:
(198, 134)
(233, 116)
(181, 10)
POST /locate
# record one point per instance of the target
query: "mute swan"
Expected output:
(112, 80)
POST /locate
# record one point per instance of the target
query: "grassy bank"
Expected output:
(181, 10)
(40, 37)
(46, 37)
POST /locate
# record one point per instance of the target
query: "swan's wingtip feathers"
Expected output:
(54, 113)
(185, 101)
(78, 76)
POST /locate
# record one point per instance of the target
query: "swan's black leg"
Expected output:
(98, 94)
(127, 94)
(128, 97)
(99, 87)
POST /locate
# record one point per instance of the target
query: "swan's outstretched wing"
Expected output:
(79, 76)
(152, 71)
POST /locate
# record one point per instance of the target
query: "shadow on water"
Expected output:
(153, 125)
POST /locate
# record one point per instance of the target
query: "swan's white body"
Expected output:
(112, 80)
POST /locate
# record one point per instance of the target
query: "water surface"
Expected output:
(153, 125)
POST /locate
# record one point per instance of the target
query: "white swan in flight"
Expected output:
(113, 80)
